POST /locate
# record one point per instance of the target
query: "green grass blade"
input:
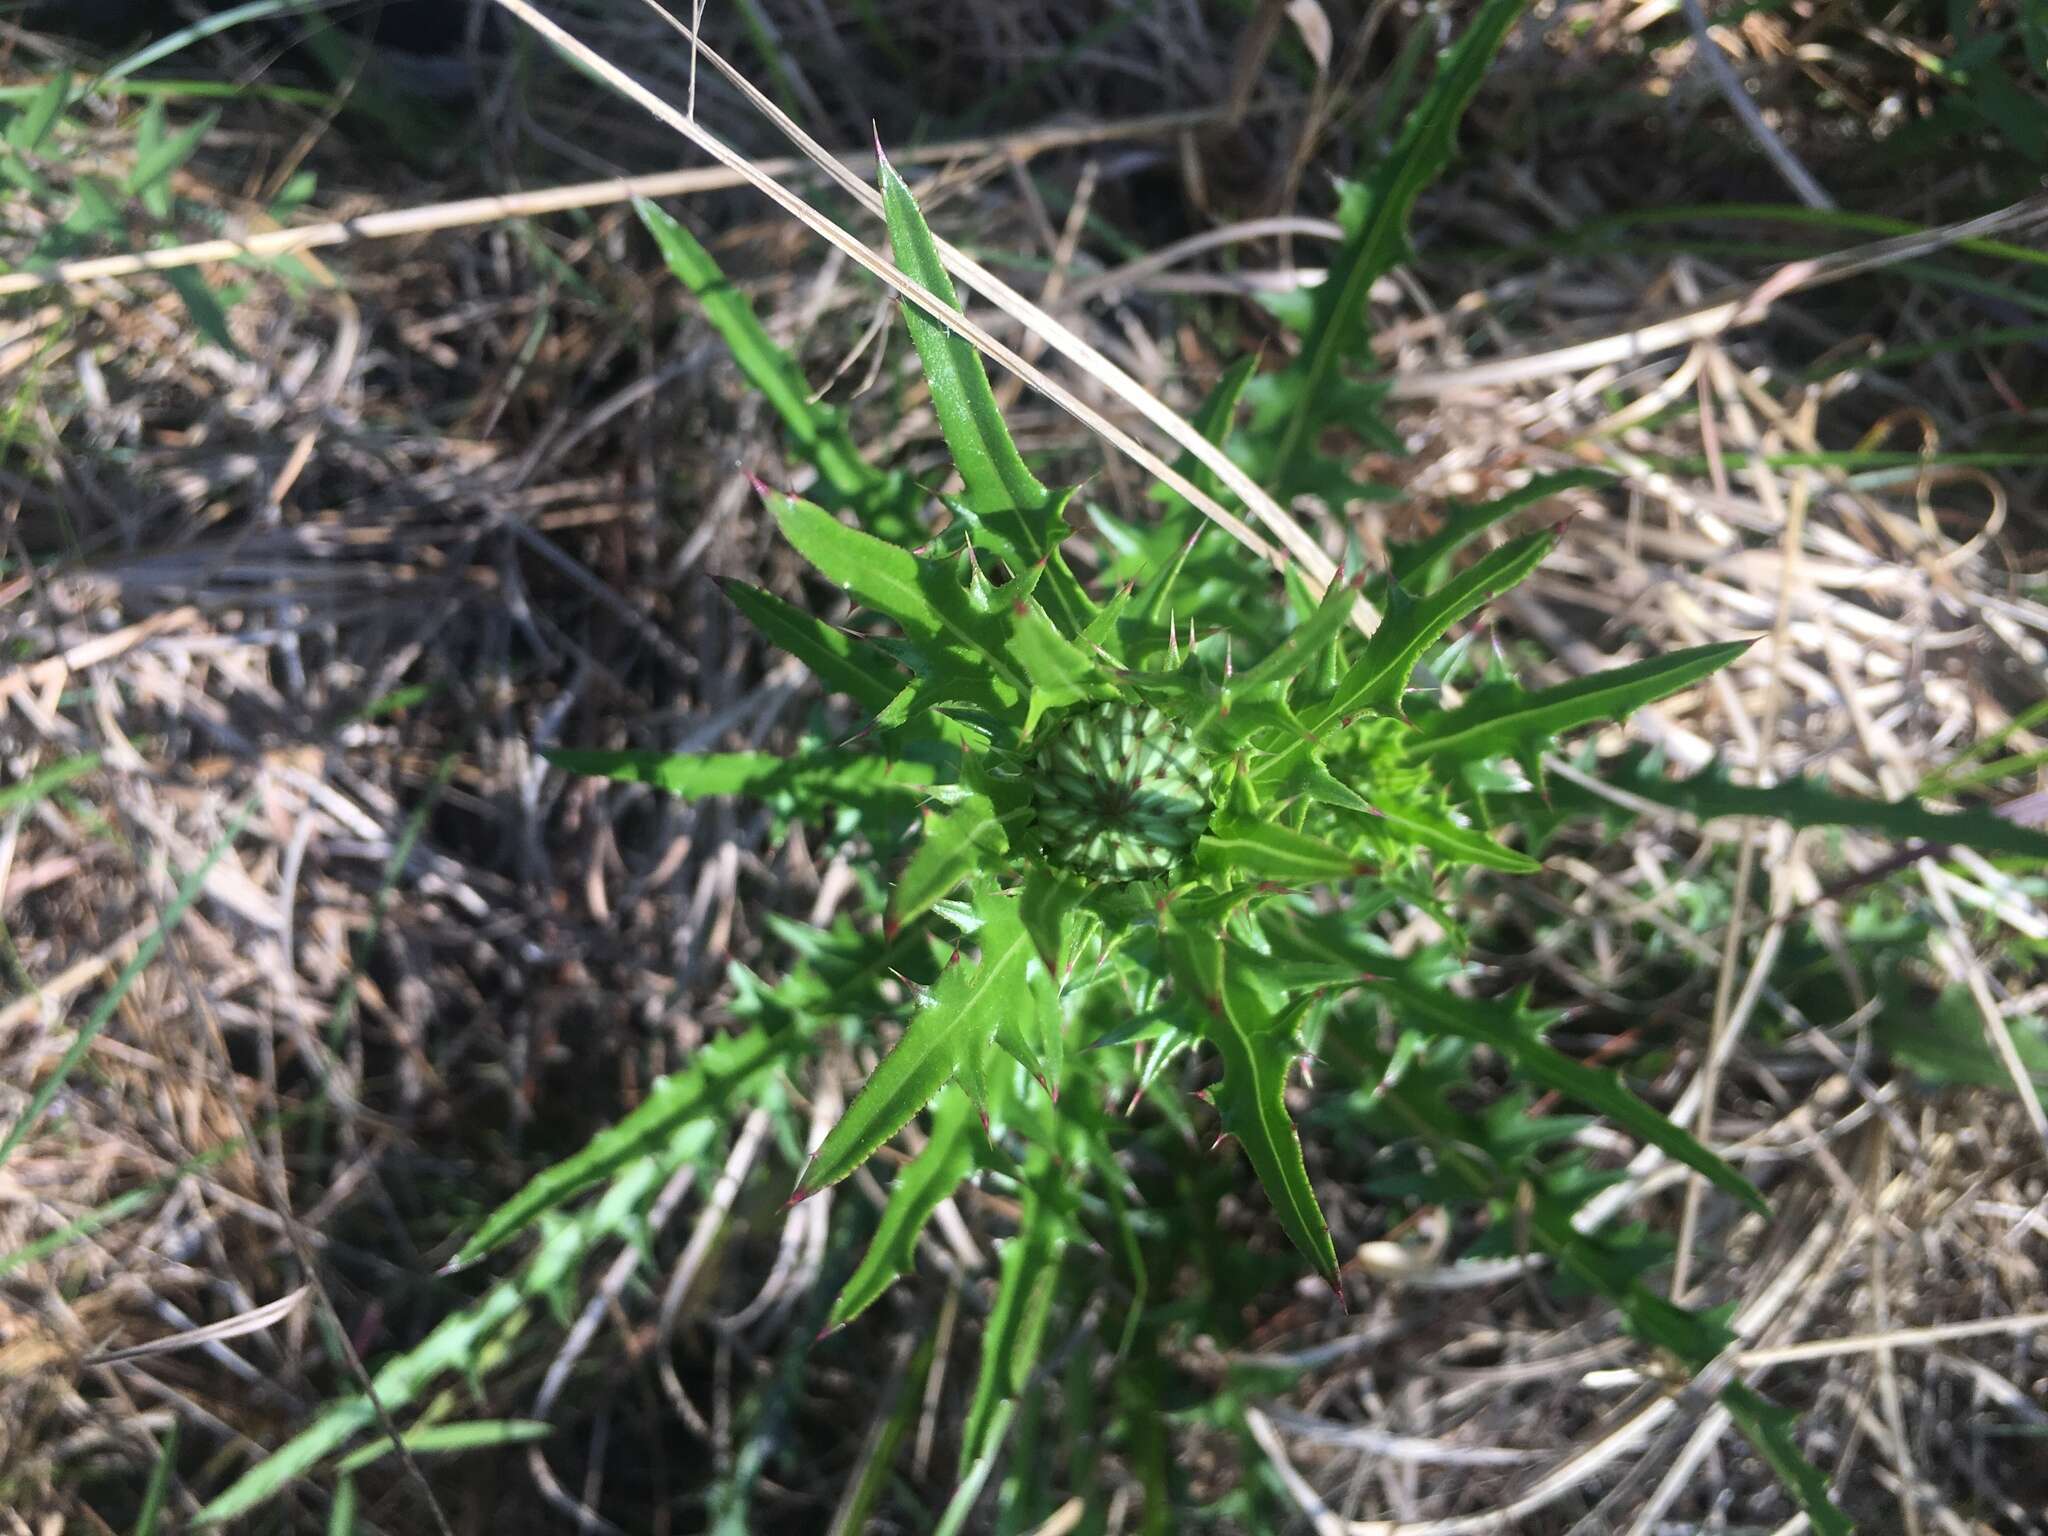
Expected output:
(928, 1181)
(45, 780)
(199, 31)
(159, 1485)
(475, 1434)
(145, 953)
(819, 432)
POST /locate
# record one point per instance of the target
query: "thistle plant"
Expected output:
(1130, 807)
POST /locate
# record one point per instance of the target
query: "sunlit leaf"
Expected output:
(1508, 1028)
(957, 841)
(1506, 721)
(961, 1016)
(925, 1183)
(1258, 1049)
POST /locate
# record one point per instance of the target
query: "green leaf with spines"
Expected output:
(1508, 1027)
(1267, 850)
(935, 608)
(1424, 565)
(1769, 1428)
(970, 999)
(1048, 898)
(1377, 242)
(722, 1075)
(1806, 803)
(841, 662)
(1506, 721)
(1411, 625)
(813, 784)
(1258, 1048)
(1306, 644)
(926, 1182)
(957, 841)
(1427, 828)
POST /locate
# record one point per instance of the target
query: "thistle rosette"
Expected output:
(1123, 792)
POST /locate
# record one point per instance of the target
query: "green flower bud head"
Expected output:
(1122, 792)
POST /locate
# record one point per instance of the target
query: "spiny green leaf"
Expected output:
(963, 1013)
(1306, 644)
(924, 1184)
(921, 595)
(1016, 643)
(1503, 1026)
(721, 1076)
(1420, 825)
(1258, 1050)
(956, 843)
(1805, 803)
(1422, 566)
(1381, 241)
(840, 662)
(1508, 722)
(813, 782)
(1769, 1428)
(1265, 850)
(1048, 897)
(992, 470)
(456, 1344)
(1412, 625)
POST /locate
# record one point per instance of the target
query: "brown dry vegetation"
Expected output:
(463, 492)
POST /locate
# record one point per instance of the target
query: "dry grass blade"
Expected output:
(1315, 566)
(467, 212)
(213, 1333)
(1734, 312)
